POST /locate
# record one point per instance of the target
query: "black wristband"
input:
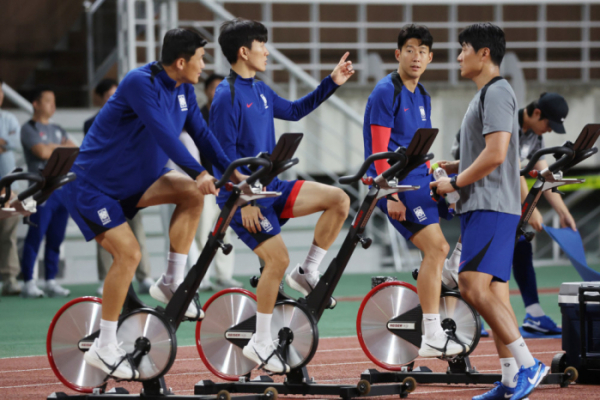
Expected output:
(453, 182)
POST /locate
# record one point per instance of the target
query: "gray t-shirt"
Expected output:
(33, 133)
(500, 190)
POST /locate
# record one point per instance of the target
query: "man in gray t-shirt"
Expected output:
(488, 182)
(39, 138)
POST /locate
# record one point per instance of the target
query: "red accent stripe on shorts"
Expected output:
(288, 210)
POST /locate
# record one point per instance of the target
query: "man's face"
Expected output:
(538, 125)
(257, 56)
(470, 61)
(192, 69)
(414, 58)
(210, 90)
(108, 94)
(45, 106)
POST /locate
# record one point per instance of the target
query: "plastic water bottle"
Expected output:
(439, 172)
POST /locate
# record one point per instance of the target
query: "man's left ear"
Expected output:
(180, 63)
(430, 56)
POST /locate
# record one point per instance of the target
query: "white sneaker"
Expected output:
(145, 285)
(31, 291)
(449, 276)
(266, 356)
(53, 289)
(441, 345)
(100, 289)
(305, 282)
(164, 292)
(112, 360)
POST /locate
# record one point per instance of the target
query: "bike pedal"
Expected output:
(332, 303)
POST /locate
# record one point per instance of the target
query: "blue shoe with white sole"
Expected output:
(500, 392)
(529, 378)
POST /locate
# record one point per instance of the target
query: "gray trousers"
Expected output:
(105, 259)
(9, 258)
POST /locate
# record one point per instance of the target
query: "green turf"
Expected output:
(24, 322)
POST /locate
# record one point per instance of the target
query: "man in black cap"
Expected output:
(546, 114)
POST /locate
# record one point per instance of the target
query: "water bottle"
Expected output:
(439, 172)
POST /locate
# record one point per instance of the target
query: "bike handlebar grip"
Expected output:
(38, 180)
(367, 163)
(245, 161)
(567, 153)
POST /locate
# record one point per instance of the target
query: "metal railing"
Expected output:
(362, 26)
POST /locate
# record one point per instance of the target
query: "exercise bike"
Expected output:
(230, 315)
(42, 184)
(147, 334)
(390, 316)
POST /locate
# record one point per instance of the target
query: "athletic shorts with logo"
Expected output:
(488, 242)
(276, 212)
(421, 209)
(94, 211)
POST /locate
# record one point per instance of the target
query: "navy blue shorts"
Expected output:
(276, 210)
(488, 242)
(94, 211)
(421, 209)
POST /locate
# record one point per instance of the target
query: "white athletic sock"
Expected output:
(521, 353)
(432, 325)
(535, 310)
(108, 333)
(454, 260)
(313, 259)
(263, 328)
(509, 370)
(175, 268)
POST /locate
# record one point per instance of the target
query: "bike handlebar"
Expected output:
(400, 159)
(254, 161)
(37, 179)
(566, 152)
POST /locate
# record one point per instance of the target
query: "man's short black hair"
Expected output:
(36, 93)
(240, 33)
(180, 43)
(104, 86)
(211, 78)
(1, 81)
(413, 31)
(485, 35)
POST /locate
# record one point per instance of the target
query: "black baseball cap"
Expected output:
(553, 107)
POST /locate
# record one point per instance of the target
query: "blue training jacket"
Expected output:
(243, 111)
(137, 132)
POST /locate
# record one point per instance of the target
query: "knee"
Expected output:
(438, 250)
(279, 262)
(129, 257)
(341, 202)
(468, 292)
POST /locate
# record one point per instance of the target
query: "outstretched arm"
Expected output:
(296, 110)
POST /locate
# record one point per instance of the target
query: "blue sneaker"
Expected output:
(500, 392)
(543, 325)
(528, 379)
(484, 333)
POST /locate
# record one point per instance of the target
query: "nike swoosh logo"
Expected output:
(461, 263)
(507, 395)
(535, 377)
(436, 348)
(249, 105)
(537, 323)
(406, 109)
(111, 367)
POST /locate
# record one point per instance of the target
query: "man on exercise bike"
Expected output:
(121, 169)
(397, 107)
(243, 112)
(489, 185)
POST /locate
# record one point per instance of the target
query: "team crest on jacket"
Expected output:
(264, 99)
(182, 102)
(103, 214)
(423, 115)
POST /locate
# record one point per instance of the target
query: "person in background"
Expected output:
(40, 138)
(105, 89)
(9, 259)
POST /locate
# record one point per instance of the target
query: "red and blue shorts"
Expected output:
(276, 212)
